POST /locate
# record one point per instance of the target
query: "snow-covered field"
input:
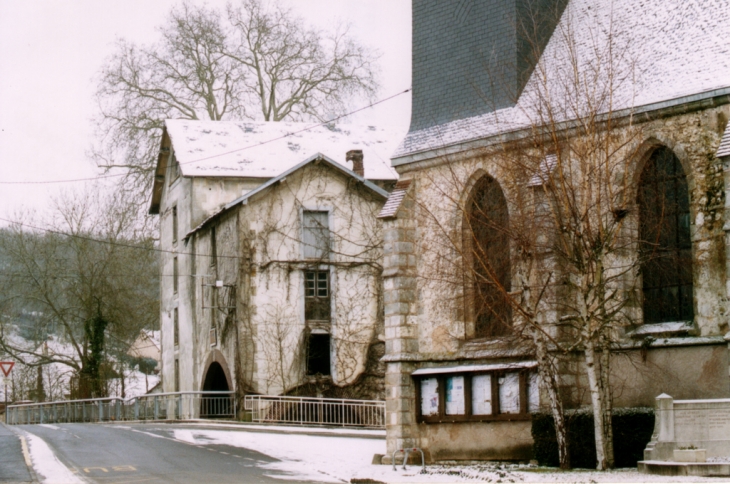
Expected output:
(348, 459)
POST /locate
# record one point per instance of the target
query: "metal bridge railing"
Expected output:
(321, 411)
(158, 406)
(91, 410)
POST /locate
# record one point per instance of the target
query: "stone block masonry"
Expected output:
(401, 335)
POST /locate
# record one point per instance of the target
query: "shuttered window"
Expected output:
(316, 235)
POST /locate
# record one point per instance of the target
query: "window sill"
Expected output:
(505, 417)
(663, 330)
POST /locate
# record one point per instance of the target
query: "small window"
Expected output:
(213, 252)
(177, 375)
(176, 326)
(174, 167)
(174, 275)
(429, 397)
(174, 225)
(478, 396)
(318, 354)
(509, 393)
(455, 402)
(317, 296)
(481, 395)
(316, 235)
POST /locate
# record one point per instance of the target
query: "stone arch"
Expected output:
(218, 371)
(643, 154)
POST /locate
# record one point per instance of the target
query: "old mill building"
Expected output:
(271, 263)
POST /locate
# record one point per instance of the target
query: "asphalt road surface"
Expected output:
(12, 463)
(149, 454)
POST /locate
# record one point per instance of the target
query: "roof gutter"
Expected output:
(647, 112)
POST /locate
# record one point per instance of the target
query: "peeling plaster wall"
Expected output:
(271, 232)
(196, 199)
(212, 305)
(259, 257)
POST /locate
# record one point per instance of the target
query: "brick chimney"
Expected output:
(356, 157)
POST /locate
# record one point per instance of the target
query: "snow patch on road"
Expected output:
(46, 465)
(302, 457)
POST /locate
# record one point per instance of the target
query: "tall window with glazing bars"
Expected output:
(665, 239)
(488, 259)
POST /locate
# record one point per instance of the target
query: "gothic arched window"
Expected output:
(665, 243)
(488, 219)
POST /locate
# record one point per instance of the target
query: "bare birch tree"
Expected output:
(544, 223)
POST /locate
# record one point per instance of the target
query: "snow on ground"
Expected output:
(507, 473)
(45, 463)
(136, 384)
(303, 457)
(348, 459)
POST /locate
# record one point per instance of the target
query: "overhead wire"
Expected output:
(114, 243)
(206, 158)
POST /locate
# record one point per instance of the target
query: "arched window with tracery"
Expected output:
(665, 242)
(489, 257)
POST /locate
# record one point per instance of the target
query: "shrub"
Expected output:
(632, 429)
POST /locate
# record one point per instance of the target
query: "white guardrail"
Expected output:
(204, 405)
(156, 406)
(320, 411)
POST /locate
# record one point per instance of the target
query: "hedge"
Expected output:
(632, 429)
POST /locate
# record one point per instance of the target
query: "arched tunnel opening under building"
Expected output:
(214, 405)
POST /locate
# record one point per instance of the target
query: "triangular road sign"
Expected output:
(6, 366)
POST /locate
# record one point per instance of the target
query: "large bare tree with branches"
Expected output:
(253, 61)
(83, 277)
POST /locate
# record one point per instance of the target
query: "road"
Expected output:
(150, 454)
(12, 463)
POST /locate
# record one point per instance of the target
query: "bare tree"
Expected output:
(84, 275)
(294, 72)
(538, 234)
(253, 62)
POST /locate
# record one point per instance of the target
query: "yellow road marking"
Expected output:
(26, 453)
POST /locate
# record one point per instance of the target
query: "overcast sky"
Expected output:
(50, 52)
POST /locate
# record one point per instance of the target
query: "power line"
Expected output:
(113, 175)
(114, 243)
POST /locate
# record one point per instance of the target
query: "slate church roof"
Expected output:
(665, 52)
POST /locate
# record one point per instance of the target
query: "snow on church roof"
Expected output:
(266, 149)
(664, 50)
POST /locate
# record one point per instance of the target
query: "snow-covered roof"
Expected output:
(266, 149)
(662, 50)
